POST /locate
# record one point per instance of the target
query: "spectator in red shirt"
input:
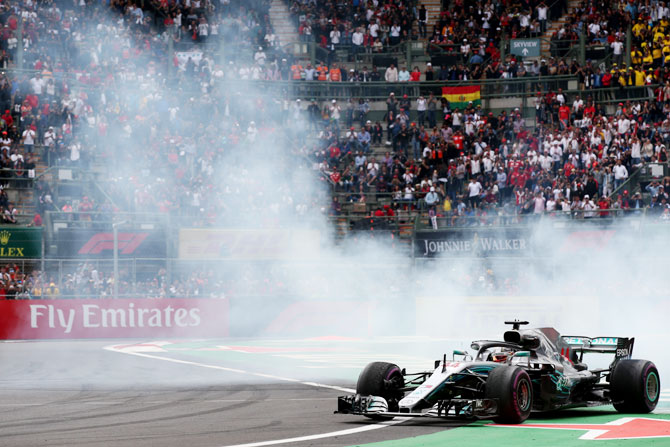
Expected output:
(7, 117)
(564, 116)
(604, 204)
(458, 140)
(334, 153)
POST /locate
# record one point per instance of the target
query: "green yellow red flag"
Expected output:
(460, 97)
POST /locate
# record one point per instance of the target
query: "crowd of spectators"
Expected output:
(77, 100)
(96, 280)
(88, 280)
(99, 89)
(478, 24)
(605, 23)
(481, 164)
(361, 26)
(247, 280)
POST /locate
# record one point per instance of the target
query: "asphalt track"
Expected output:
(202, 394)
(77, 393)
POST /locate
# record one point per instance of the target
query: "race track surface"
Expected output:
(223, 393)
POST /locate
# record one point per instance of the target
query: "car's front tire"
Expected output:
(513, 389)
(384, 380)
(635, 386)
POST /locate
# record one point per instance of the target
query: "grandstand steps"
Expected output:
(284, 28)
(26, 202)
(434, 10)
(20, 192)
(341, 227)
(555, 26)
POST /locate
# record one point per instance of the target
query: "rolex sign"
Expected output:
(20, 243)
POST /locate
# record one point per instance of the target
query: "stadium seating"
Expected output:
(86, 88)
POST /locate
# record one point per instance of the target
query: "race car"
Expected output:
(529, 370)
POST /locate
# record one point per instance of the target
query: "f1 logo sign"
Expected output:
(128, 243)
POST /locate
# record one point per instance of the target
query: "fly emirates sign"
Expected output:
(113, 318)
(94, 316)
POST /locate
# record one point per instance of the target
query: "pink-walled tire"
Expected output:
(513, 389)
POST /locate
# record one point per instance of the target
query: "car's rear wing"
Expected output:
(621, 347)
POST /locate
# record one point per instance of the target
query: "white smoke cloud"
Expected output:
(259, 175)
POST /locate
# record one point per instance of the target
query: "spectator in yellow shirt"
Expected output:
(647, 59)
(639, 77)
(637, 28)
(635, 56)
(658, 36)
(657, 54)
(446, 206)
(52, 292)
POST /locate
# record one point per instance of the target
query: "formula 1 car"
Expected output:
(530, 370)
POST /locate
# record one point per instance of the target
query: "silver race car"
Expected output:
(529, 370)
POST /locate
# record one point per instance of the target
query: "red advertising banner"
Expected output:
(109, 318)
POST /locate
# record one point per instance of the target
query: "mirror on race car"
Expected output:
(519, 357)
(464, 354)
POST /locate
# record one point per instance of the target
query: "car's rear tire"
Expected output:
(384, 380)
(635, 386)
(513, 388)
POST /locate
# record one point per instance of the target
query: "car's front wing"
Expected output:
(451, 408)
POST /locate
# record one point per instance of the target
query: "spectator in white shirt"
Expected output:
(357, 41)
(474, 189)
(334, 38)
(620, 174)
(391, 74)
(28, 140)
(542, 16)
(617, 51)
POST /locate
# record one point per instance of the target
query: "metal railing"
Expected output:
(327, 90)
(500, 219)
(416, 210)
(106, 218)
(499, 87)
(19, 219)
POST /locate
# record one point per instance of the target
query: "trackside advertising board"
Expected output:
(473, 243)
(20, 242)
(108, 318)
(76, 243)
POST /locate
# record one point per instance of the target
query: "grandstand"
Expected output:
(152, 118)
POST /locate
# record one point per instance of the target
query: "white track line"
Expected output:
(239, 371)
(284, 379)
(333, 434)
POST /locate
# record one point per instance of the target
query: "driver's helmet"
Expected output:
(500, 357)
